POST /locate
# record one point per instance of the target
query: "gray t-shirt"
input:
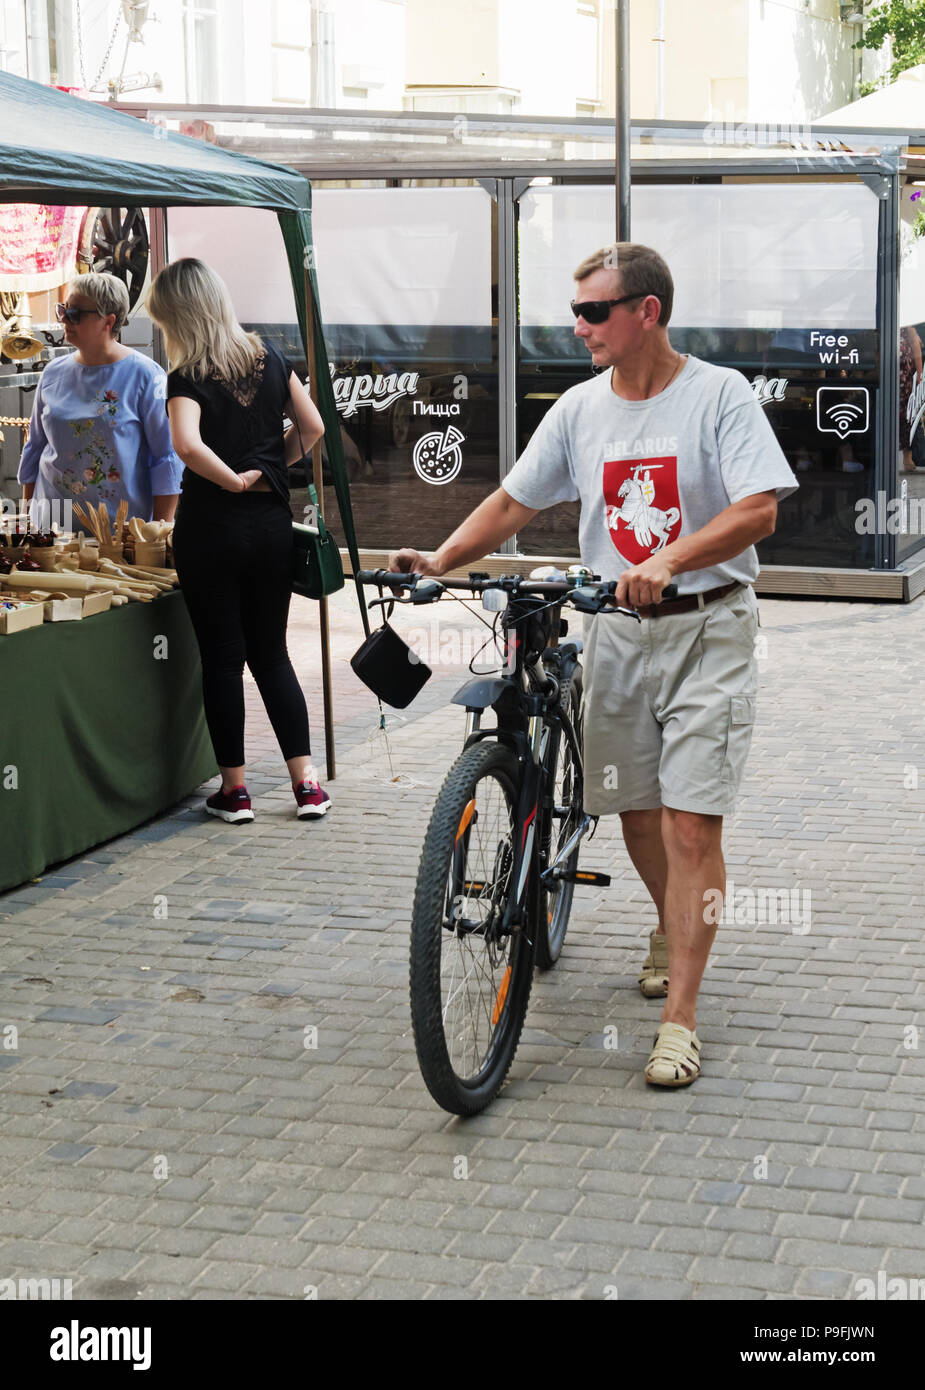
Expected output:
(647, 472)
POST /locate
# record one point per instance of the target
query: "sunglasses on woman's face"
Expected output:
(598, 310)
(65, 314)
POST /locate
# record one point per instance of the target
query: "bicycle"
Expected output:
(499, 864)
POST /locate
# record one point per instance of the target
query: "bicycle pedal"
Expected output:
(583, 876)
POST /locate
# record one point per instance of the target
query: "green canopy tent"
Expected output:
(59, 150)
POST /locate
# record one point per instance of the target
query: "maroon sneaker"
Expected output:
(231, 806)
(311, 801)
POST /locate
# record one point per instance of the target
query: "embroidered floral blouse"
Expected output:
(99, 434)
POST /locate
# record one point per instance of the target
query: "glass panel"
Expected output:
(910, 463)
(408, 280)
(776, 279)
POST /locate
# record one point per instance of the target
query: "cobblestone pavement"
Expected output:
(169, 1131)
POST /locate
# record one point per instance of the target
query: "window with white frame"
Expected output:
(291, 39)
(201, 29)
(587, 57)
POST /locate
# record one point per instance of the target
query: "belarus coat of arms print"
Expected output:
(641, 505)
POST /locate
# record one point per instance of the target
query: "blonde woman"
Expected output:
(227, 392)
(98, 431)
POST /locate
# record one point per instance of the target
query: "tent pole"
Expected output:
(158, 242)
(318, 478)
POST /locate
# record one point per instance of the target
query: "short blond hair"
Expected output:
(641, 271)
(108, 294)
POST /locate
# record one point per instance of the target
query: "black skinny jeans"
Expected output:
(233, 554)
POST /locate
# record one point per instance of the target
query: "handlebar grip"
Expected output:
(385, 576)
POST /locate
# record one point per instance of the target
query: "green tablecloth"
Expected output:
(98, 732)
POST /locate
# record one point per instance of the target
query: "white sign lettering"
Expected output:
(428, 408)
(829, 347)
(915, 406)
(769, 389)
(350, 393)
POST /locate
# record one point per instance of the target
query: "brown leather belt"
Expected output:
(684, 605)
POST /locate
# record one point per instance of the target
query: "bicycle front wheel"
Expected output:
(559, 818)
(469, 983)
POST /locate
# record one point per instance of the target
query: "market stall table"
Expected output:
(102, 728)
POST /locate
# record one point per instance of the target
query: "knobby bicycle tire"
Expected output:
(554, 908)
(436, 945)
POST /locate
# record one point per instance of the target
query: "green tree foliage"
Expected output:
(903, 21)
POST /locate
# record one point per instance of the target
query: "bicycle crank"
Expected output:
(586, 876)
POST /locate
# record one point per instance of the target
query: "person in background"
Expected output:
(910, 372)
(98, 431)
(227, 393)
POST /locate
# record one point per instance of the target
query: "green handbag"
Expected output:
(316, 564)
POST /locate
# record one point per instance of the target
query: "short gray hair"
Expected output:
(640, 269)
(107, 292)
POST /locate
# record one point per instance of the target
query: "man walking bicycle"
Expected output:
(678, 473)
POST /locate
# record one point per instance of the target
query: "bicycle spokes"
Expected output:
(501, 996)
(475, 965)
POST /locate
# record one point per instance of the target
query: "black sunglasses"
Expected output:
(65, 314)
(598, 310)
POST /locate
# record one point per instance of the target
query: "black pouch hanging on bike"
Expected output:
(390, 668)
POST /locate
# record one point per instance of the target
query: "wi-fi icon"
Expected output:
(842, 410)
(843, 415)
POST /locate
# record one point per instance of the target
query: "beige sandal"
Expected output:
(675, 1058)
(653, 982)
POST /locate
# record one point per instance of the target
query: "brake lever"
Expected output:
(425, 591)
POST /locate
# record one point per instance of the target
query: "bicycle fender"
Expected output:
(481, 693)
(515, 739)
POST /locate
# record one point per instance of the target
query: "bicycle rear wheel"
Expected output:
(560, 815)
(469, 985)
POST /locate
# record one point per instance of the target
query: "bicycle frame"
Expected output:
(525, 720)
(526, 698)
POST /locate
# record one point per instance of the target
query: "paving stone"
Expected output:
(78, 1089)
(819, 1179)
(749, 1274)
(69, 1151)
(94, 1017)
(824, 1283)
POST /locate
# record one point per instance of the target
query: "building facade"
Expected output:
(716, 60)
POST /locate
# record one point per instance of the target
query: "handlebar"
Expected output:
(426, 588)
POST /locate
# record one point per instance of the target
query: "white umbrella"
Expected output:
(898, 107)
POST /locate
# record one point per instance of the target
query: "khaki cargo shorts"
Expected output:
(670, 707)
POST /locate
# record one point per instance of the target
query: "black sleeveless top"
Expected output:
(242, 421)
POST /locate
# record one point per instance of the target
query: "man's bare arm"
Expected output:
(493, 521)
(729, 533)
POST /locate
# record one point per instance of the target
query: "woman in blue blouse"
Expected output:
(99, 431)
